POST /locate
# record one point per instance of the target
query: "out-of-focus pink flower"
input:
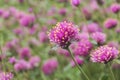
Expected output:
(99, 37)
(110, 23)
(86, 13)
(6, 76)
(18, 31)
(27, 20)
(93, 27)
(62, 11)
(25, 52)
(30, 10)
(12, 60)
(113, 44)
(83, 35)
(34, 61)
(4, 13)
(82, 48)
(115, 8)
(22, 65)
(42, 36)
(12, 44)
(75, 3)
(50, 66)
(94, 6)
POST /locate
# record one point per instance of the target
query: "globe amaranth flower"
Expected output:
(115, 8)
(99, 37)
(12, 60)
(25, 52)
(63, 33)
(22, 65)
(34, 61)
(50, 66)
(6, 76)
(82, 48)
(62, 11)
(110, 23)
(104, 54)
(27, 20)
(75, 3)
(91, 28)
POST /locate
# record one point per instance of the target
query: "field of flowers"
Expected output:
(59, 39)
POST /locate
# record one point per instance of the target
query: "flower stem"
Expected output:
(1, 53)
(80, 69)
(113, 77)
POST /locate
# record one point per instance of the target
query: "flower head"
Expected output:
(63, 33)
(82, 48)
(104, 54)
(24, 52)
(50, 66)
(99, 37)
(22, 65)
(75, 2)
(34, 61)
(110, 23)
(115, 8)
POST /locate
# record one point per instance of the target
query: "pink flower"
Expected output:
(34, 61)
(50, 66)
(110, 23)
(63, 33)
(99, 37)
(24, 52)
(22, 65)
(104, 54)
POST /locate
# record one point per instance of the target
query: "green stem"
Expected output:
(80, 69)
(1, 53)
(112, 75)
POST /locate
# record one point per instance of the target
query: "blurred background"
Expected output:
(26, 52)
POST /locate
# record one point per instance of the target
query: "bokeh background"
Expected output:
(26, 51)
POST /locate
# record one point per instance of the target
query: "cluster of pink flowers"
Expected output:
(6, 76)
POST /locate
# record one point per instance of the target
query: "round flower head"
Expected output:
(110, 23)
(115, 8)
(104, 54)
(63, 34)
(99, 37)
(25, 52)
(34, 61)
(22, 65)
(83, 48)
(93, 27)
(50, 66)
(75, 2)
(62, 11)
